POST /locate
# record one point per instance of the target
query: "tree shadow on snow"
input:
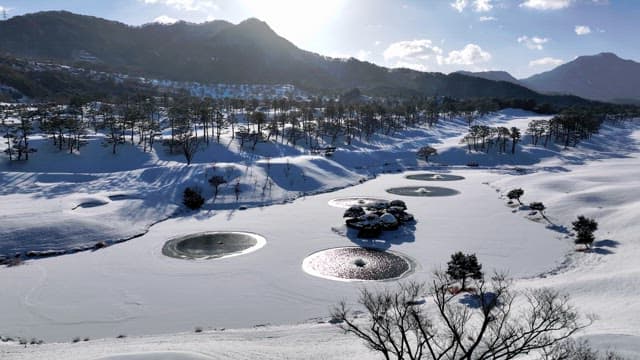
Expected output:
(558, 228)
(473, 300)
(603, 247)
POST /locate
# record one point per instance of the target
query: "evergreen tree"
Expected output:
(427, 151)
(462, 266)
(515, 137)
(515, 194)
(192, 199)
(584, 228)
(538, 206)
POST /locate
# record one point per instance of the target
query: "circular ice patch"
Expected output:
(357, 263)
(435, 177)
(348, 202)
(213, 245)
(422, 191)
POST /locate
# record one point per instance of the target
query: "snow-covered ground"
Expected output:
(132, 289)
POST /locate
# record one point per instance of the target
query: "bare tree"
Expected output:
(494, 323)
(113, 126)
(216, 181)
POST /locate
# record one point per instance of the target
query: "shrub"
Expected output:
(192, 199)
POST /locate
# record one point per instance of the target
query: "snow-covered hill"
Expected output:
(132, 289)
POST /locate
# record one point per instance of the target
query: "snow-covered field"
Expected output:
(130, 288)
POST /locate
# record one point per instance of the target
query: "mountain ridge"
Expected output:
(221, 52)
(604, 77)
(494, 75)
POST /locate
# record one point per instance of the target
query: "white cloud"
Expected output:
(478, 5)
(582, 30)
(533, 43)
(187, 5)
(471, 54)
(546, 4)
(487, 18)
(376, 43)
(164, 19)
(422, 49)
(459, 5)
(545, 62)
(482, 5)
(422, 54)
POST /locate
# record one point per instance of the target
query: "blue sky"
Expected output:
(521, 36)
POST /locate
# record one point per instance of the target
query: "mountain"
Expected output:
(604, 77)
(221, 52)
(492, 75)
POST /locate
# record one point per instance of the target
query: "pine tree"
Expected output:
(192, 198)
(426, 151)
(515, 194)
(538, 206)
(462, 266)
(584, 227)
(515, 137)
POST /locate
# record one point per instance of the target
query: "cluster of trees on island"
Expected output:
(371, 219)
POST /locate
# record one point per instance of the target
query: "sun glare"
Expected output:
(294, 19)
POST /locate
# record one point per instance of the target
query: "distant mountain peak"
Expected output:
(255, 24)
(604, 76)
(608, 54)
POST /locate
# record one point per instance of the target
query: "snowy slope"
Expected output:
(132, 289)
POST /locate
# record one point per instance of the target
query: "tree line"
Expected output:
(192, 122)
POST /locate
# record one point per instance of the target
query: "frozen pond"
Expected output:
(423, 191)
(434, 177)
(212, 245)
(357, 263)
(133, 288)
